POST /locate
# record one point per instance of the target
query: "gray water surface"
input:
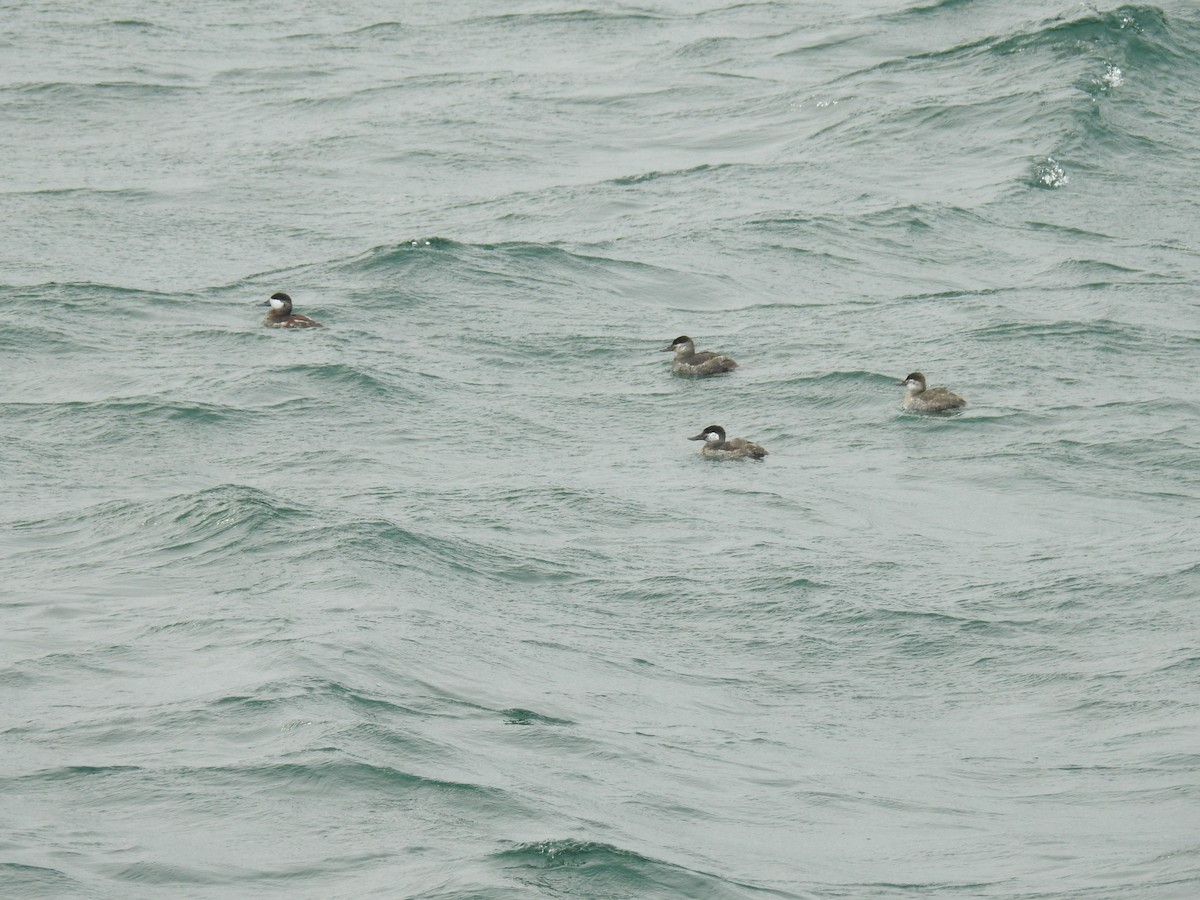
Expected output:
(438, 602)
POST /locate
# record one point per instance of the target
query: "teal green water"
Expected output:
(439, 602)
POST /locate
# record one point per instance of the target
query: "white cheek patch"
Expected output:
(276, 304)
(913, 385)
(712, 437)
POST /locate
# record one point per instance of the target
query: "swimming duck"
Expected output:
(717, 447)
(918, 398)
(281, 315)
(689, 362)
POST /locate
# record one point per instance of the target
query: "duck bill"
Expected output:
(668, 349)
(264, 303)
(698, 437)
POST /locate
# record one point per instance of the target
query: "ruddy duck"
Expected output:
(918, 398)
(717, 447)
(281, 315)
(689, 362)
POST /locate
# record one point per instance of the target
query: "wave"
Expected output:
(41, 338)
(1037, 85)
(185, 529)
(373, 382)
(17, 880)
(895, 225)
(84, 294)
(586, 17)
(436, 251)
(865, 396)
(1102, 335)
(79, 316)
(647, 177)
(127, 422)
(383, 542)
(1146, 453)
(581, 868)
(317, 774)
(288, 694)
(379, 28)
(138, 24)
(484, 280)
(133, 195)
(1141, 31)
(529, 717)
(342, 774)
(91, 92)
(197, 530)
(1063, 329)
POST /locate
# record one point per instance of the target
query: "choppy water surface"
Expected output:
(438, 602)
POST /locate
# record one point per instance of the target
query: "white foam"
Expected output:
(1051, 174)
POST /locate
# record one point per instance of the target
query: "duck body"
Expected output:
(716, 446)
(919, 398)
(689, 361)
(281, 315)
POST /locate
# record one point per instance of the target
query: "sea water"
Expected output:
(438, 601)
